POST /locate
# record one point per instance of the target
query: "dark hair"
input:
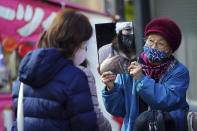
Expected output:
(67, 32)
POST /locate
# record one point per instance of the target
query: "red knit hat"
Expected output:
(166, 28)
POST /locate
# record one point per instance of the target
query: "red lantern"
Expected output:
(9, 44)
(0, 39)
(24, 48)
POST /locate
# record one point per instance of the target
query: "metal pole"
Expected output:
(142, 17)
(120, 9)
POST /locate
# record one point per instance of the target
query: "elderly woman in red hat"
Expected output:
(157, 78)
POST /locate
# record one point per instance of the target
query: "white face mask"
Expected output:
(80, 56)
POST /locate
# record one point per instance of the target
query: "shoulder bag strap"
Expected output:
(20, 115)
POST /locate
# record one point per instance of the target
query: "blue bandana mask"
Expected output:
(154, 55)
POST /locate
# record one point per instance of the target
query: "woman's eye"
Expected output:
(151, 41)
(129, 30)
(161, 44)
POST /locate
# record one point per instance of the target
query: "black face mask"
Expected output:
(127, 43)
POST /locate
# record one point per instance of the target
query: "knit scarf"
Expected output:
(154, 71)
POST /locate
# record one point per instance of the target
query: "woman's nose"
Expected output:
(154, 45)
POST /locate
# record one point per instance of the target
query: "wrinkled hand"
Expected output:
(108, 79)
(111, 63)
(135, 70)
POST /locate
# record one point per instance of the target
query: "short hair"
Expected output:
(67, 31)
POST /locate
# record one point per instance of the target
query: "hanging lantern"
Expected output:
(24, 48)
(9, 44)
(0, 39)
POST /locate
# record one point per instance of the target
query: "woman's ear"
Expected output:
(169, 53)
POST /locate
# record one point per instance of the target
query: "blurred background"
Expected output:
(22, 21)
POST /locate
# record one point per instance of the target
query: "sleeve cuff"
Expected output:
(140, 83)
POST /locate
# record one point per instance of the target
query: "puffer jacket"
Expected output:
(56, 94)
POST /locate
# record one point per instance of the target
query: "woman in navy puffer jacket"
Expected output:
(56, 93)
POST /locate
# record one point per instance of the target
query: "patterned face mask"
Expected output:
(154, 55)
